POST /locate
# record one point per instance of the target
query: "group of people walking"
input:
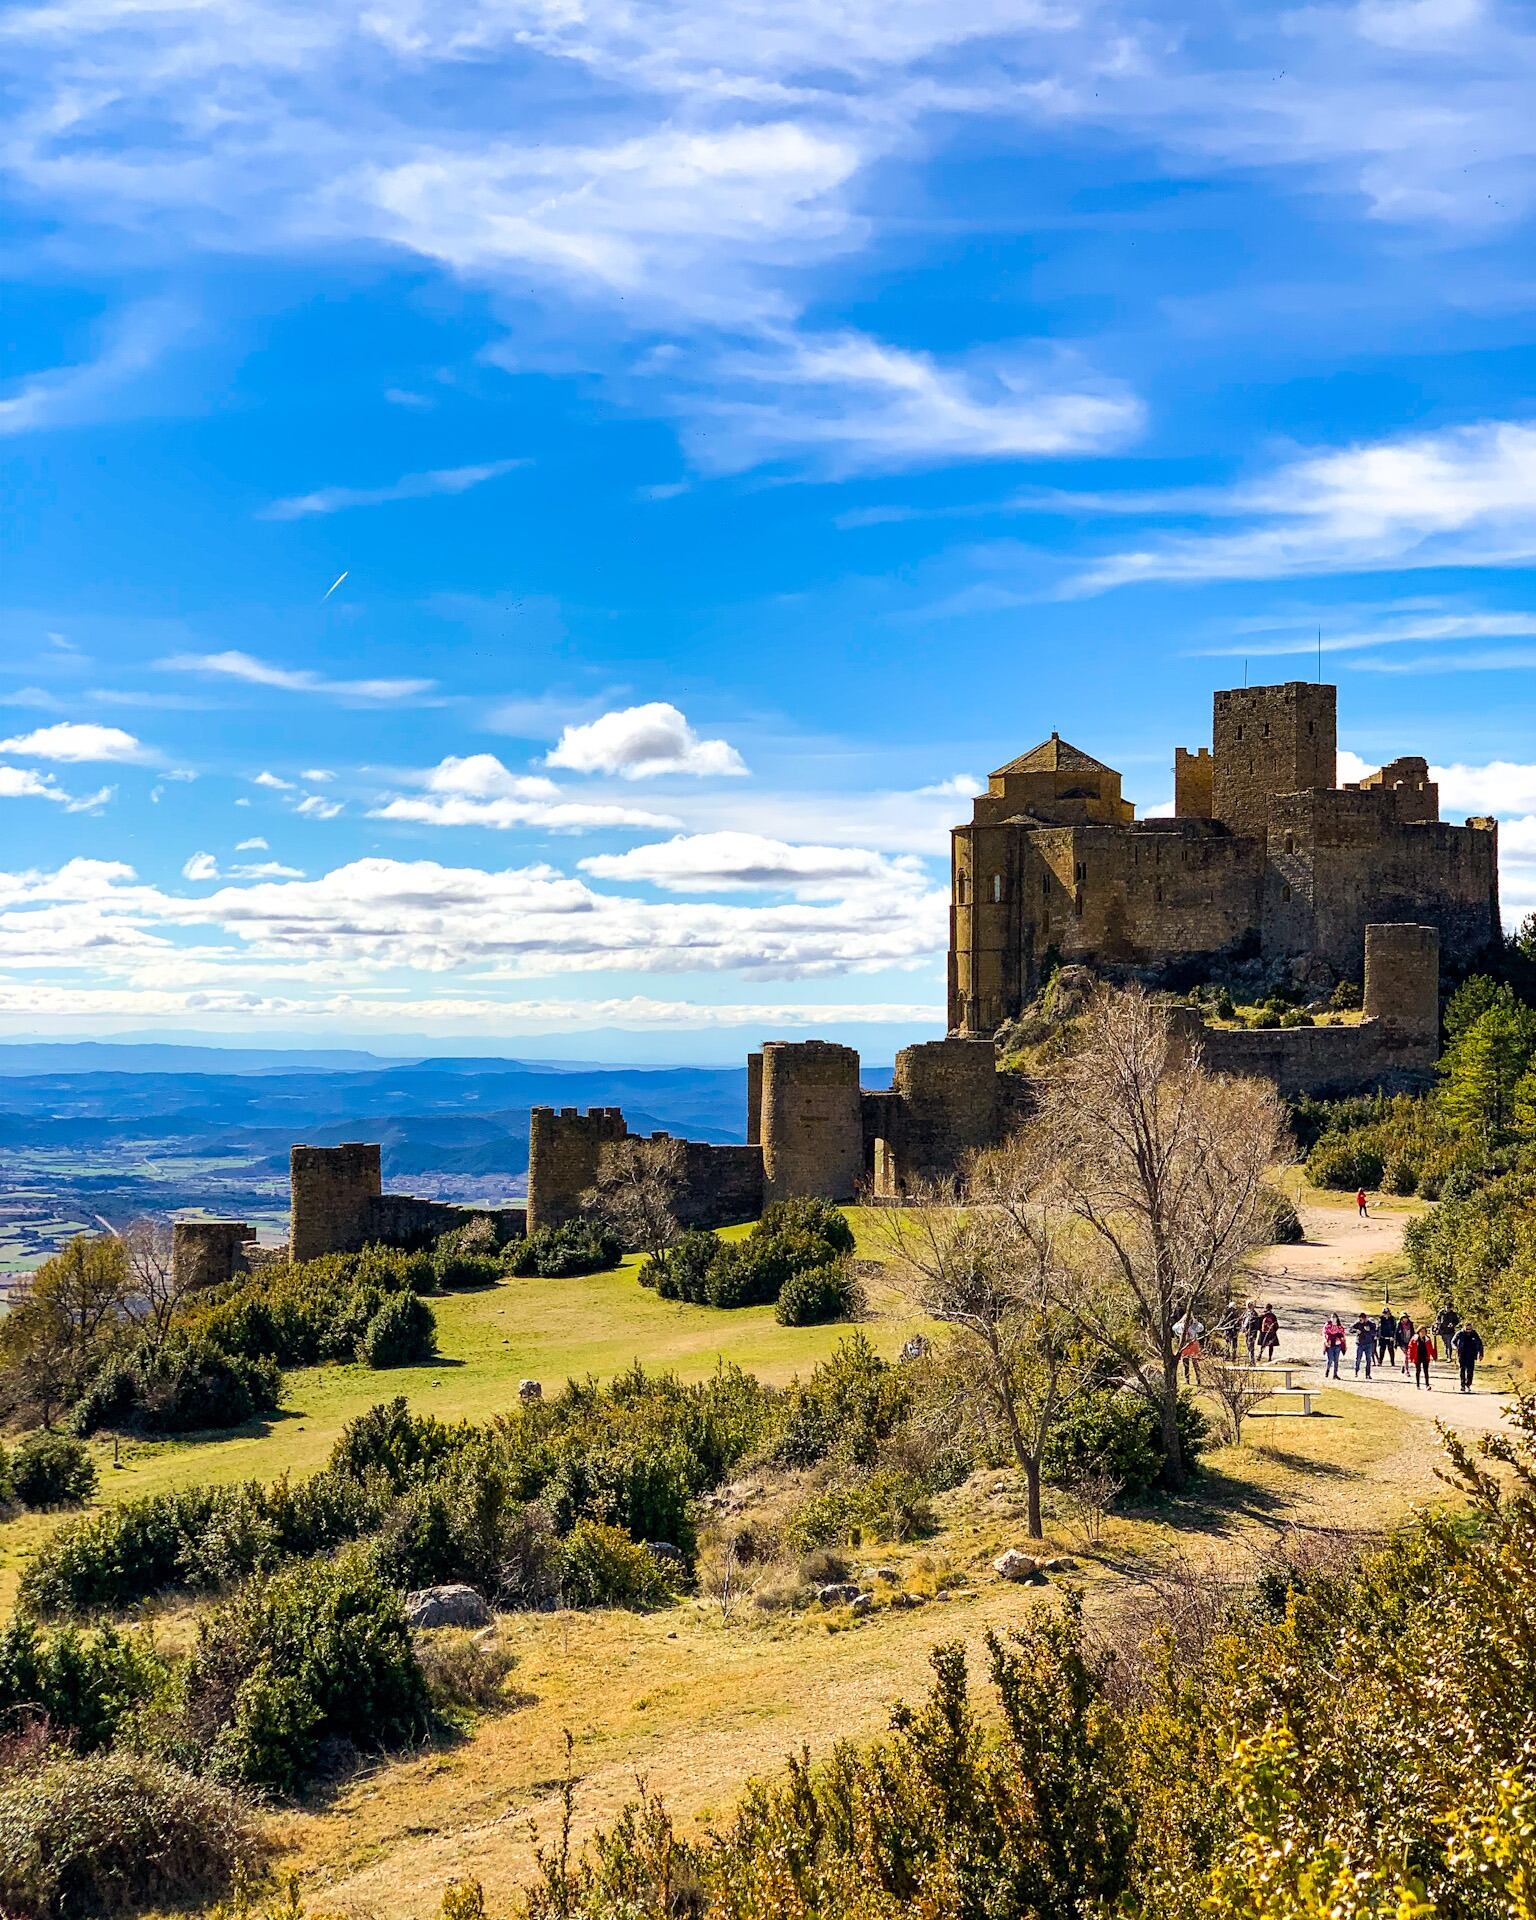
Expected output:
(1379, 1340)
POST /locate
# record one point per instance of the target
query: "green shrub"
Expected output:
(888, 1503)
(750, 1272)
(808, 1217)
(682, 1273)
(318, 1653)
(601, 1566)
(1286, 1229)
(1344, 1163)
(1399, 1176)
(52, 1470)
(113, 1834)
(184, 1386)
(815, 1295)
(85, 1685)
(402, 1333)
(851, 1404)
(578, 1247)
(1113, 1431)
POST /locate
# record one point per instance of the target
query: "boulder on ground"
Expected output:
(665, 1553)
(1013, 1565)
(861, 1603)
(450, 1606)
(529, 1390)
(840, 1593)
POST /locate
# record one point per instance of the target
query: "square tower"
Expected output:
(1270, 740)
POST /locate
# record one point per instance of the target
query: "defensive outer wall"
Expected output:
(812, 1128)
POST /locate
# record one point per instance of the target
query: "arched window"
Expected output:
(997, 889)
(960, 888)
(1290, 843)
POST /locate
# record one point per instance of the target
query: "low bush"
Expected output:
(184, 1386)
(849, 1407)
(682, 1272)
(402, 1333)
(1344, 1163)
(888, 1503)
(52, 1470)
(309, 1314)
(793, 1237)
(1114, 1432)
(1286, 1229)
(815, 1295)
(83, 1685)
(554, 1253)
(113, 1834)
(464, 1671)
(602, 1566)
(316, 1656)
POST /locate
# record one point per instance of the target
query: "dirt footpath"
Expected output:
(1329, 1274)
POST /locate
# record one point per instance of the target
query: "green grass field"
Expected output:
(531, 1329)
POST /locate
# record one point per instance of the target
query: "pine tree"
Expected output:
(1481, 1069)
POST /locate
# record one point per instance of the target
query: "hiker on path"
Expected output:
(1405, 1332)
(1421, 1350)
(1362, 1211)
(1467, 1345)
(1269, 1334)
(1364, 1331)
(1335, 1341)
(1386, 1337)
(1446, 1323)
(1250, 1323)
(1190, 1332)
(1227, 1326)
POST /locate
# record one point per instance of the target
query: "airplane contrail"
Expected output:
(334, 585)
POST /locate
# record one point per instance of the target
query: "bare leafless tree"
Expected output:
(1161, 1169)
(1007, 1363)
(1239, 1388)
(155, 1290)
(636, 1192)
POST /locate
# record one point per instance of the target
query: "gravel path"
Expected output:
(1326, 1274)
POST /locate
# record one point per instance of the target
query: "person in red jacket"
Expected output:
(1360, 1207)
(1421, 1350)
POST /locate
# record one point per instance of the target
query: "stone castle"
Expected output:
(1265, 859)
(1264, 864)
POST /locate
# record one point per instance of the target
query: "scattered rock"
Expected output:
(914, 1349)
(943, 1594)
(840, 1593)
(903, 1599)
(1013, 1565)
(665, 1552)
(529, 1390)
(452, 1606)
(888, 1574)
(861, 1603)
(1063, 1563)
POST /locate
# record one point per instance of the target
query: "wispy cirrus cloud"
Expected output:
(1460, 497)
(235, 665)
(410, 486)
(70, 396)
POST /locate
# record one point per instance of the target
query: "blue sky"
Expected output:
(731, 430)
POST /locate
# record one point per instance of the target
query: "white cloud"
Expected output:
(477, 790)
(1462, 497)
(254, 845)
(201, 866)
(855, 404)
(380, 927)
(317, 776)
(959, 786)
(736, 862)
(1499, 787)
(315, 806)
(23, 783)
(275, 781)
(639, 743)
(411, 486)
(76, 741)
(234, 665)
(266, 870)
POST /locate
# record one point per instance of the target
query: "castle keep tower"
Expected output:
(1270, 740)
(333, 1191)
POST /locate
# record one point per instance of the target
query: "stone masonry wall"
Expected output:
(205, 1253)
(813, 1135)
(403, 1220)
(563, 1152)
(332, 1190)
(1192, 776)
(1269, 740)
(722, 1185)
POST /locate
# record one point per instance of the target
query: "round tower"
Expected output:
(812, 1127)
